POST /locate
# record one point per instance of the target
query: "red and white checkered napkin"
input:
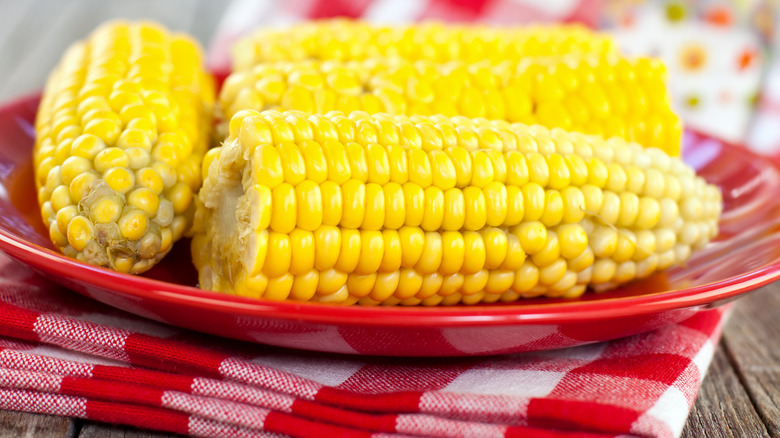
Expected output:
(63, 354)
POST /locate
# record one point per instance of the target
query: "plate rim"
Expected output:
(385, 316)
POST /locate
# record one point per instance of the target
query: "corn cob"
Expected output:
(121, 131)
(342, 39)
(606, 94)
(380, 209)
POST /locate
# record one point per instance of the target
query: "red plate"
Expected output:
(745, 256)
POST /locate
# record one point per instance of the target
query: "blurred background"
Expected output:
(723, 56)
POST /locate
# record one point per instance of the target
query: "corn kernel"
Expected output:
(120, 179)
(64, 216)
(180, 196)
(144, 200)
(105, 210)
(133, 224)
(111, 157)
(80, 232)
(108, 130)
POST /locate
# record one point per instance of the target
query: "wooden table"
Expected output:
(740, 396)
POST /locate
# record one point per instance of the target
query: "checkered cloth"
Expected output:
(63, 354)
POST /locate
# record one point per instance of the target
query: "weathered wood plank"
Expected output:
(22, 424)
(207, 16)
(13, 16)
(95, 430)
(174, 14)
(751, 342)
(48, 27)
(22, 43)
(723, 408)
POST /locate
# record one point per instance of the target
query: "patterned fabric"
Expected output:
(64, 354)
(715, 53)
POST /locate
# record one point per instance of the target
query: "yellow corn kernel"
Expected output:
(105, 210)
(64, 216)
(120, 179)
(302, 251)
(144, 200)
(133, 224)
(279, 288)
(553, 208)
(180, 197)
(392, 258)
(573, 240)
(60, 198)
(431, 256)
(74, 166)
(108, 130)
(304, 286)
(353, 195)
(496, 247)
(349, 254)
(80, 232)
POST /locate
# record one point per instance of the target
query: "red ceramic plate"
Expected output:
(745, 256)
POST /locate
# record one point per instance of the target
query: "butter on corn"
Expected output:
(381, 209)
(343, 39)
(592, 94)
(121, 131)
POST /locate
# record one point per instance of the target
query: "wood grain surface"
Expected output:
(740, 396)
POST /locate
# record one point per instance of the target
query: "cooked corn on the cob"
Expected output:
(343, 39)
(433, 210)
(606, 94)
(120, 135)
